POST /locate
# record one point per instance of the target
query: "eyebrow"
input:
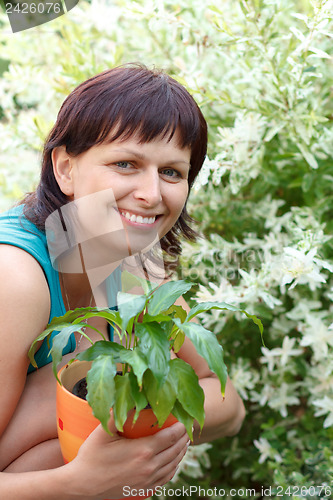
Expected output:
(144, 157)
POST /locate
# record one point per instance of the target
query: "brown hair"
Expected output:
(148, 103)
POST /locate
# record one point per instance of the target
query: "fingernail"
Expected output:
(188, 443)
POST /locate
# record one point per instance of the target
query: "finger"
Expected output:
(100, 436)
(168, 460)
(169, 454)
(166, 472)
(167, 438)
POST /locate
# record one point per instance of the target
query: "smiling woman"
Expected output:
(117, 169)
(144, 186)
(138, 104)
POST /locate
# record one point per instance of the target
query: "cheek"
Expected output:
(121, 185)
(179, 197)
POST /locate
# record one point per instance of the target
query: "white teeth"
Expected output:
(138, 218)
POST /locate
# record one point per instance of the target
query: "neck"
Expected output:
(80, 283)
(76, 290)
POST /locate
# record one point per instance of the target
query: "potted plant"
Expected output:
(139, 371)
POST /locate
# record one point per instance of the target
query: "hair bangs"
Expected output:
(155, 115)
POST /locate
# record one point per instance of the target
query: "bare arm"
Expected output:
(24, 307)
(224, 417)
(104, 464)
(101, 470)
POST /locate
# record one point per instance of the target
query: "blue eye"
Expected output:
(123, 164)
(171, 172)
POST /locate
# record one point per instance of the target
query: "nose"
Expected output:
(148, 189)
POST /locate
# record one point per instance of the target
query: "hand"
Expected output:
(105, 464)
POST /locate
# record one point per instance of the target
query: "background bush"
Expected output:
(262, 72)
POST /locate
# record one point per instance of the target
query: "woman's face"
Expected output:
(130, 191)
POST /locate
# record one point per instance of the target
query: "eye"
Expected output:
(123, 164)
(171, 172)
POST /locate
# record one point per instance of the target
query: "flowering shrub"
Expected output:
(262, 73)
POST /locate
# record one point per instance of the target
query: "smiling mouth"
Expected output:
(138, 219)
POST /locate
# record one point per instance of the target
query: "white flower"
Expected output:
(301, 268)
(302, 308)
(281, 353)
(320, 377)
(269, 357)
(283, 396)
(224, 292)
(325, 405)
(266, 450)
(243, 378)
(318, 336)
(204, 174)
(191, 463)
(255, 287)
(264, 395)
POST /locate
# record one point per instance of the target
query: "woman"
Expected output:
(130, 141)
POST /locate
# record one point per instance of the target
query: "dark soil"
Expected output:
(80, 388)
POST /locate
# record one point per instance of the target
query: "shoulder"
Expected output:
(24, 313)
(24, 292)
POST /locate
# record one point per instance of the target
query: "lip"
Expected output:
(143, 214)
(137, 224)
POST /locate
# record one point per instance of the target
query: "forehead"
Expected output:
(168, 139)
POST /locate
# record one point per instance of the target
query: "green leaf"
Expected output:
(186, 382)
(140, 399)
(183, 417)
(73, 315)
(207, 306)
(176, 334)
(159, 318)
(68, 320)
(177, 312)
(130, 306)
(112, 317)
(129, 281)
(307, 182)
(166, 295)
(179, 337)
(101, 388)
(124, 401)
(208, 347)
(135, 358)
(101, 348)
(85, 313)
(161, 398)
(307, 155)
(60, 341)
(34, 347)
(154, 344)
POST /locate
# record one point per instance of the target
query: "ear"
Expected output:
(62, 169)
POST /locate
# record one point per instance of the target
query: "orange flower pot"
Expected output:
(75, 420)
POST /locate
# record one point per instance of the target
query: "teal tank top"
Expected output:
(17, 230)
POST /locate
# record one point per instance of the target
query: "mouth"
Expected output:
(137, 219)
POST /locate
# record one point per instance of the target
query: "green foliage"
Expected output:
(148, 373)
(262, 73)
